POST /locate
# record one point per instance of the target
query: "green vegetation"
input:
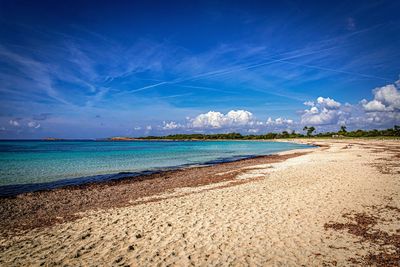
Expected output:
(309, 130)
(342, 132)
(391, 132)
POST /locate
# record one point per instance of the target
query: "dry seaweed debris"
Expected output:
(47, 208)
(362, 226)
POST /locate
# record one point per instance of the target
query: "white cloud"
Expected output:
(324, 111)
(382, 111)
(14, 123)
(373, 105)
(171, 125)
(149, 127)
(279, 121)
(324, 117)
(386, 98)
(388, 95)
(210, 119)
(33, 124)
(137, 128)
(240, 117)
(213, 119)
(253, 131)
(387, 119)
(328, 103)
(309, 103)
(314, 110)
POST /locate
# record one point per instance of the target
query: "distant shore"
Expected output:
(342, 133)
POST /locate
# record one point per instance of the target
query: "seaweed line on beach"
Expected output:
(363, 226)
(47, 208)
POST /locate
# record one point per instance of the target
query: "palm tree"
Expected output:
(397, 130)
(309, 130)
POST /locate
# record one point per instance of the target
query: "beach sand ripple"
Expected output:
(316, 209)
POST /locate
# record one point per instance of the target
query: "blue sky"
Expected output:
(90, 69)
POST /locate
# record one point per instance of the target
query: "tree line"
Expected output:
(308, 132)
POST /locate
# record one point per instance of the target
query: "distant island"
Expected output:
(341, 133)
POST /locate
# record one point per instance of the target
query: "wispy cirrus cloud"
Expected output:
(139, 76)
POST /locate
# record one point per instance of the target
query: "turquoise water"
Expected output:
(49, 162)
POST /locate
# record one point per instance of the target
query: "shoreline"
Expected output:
(335, 205)
(13, 190)
(96, 195)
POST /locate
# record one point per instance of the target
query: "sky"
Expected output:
(95, 69)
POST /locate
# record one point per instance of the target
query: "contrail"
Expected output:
(148, 87)
(334, 70)
(205, 88)
(225, 71)
(271, 60)
(268, 62)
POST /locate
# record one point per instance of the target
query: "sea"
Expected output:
(27, 165)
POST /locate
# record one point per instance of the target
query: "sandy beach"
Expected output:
(334, 205)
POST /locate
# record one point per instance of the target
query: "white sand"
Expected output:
(277, 219)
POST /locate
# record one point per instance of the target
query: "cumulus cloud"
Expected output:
(240, 117)
(386, 98)
(328, 103)
(214, 119)
(235, 120)
(211, 119)
(373, 105)
(314, 110)
(382, 111)
(324, 117)
(171, 125)
(322, 112)
(279, 121)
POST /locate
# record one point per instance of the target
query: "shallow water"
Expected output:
(53, 163)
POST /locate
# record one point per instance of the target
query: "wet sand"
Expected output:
(336, 205)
